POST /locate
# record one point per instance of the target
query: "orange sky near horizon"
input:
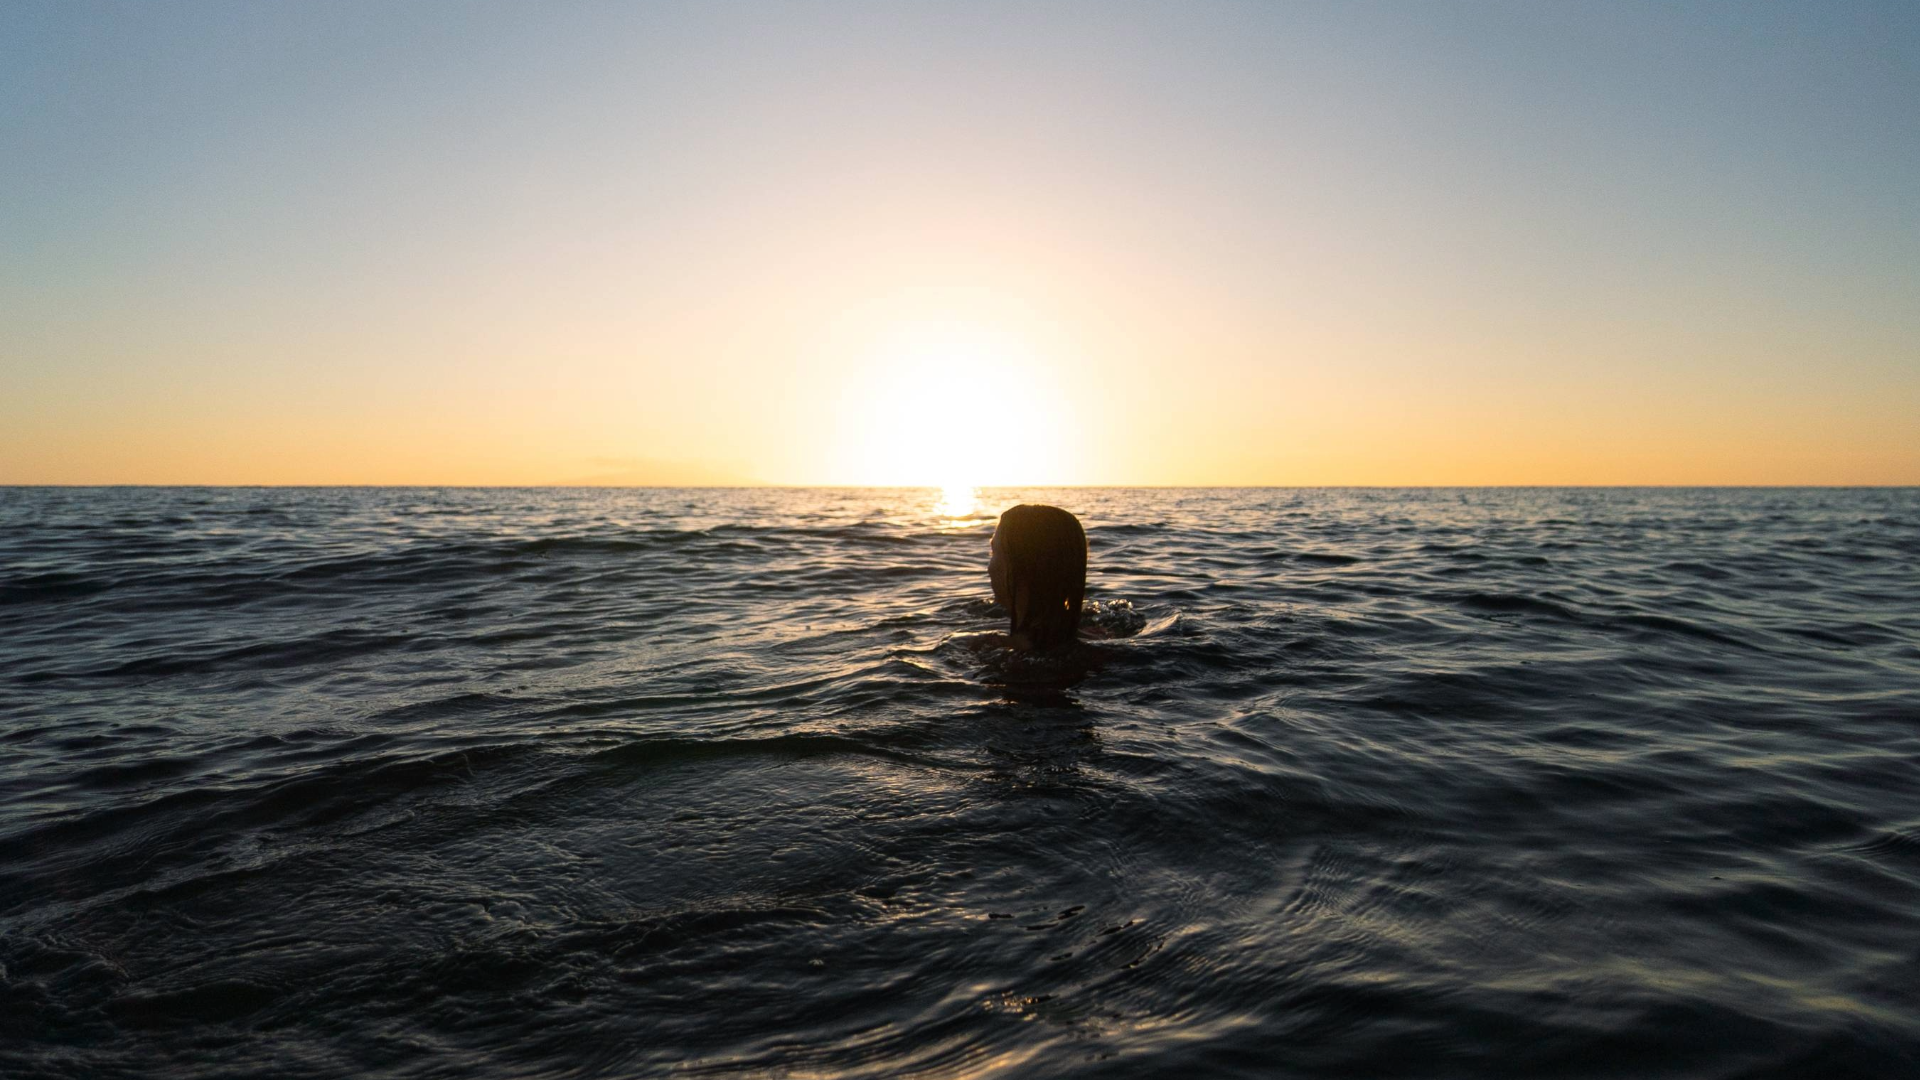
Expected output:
(844, 244)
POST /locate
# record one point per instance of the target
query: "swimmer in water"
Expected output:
(1039, 573)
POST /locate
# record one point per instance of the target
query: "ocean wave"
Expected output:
(344, 782)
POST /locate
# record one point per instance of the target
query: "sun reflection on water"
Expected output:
(958, 501)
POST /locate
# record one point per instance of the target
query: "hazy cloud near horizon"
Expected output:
(639, 472)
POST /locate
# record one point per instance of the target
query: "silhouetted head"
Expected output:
(1039, 572)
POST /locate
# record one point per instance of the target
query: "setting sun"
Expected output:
(955, 409)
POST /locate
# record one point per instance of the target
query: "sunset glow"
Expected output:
(955, 410)
(953, 245)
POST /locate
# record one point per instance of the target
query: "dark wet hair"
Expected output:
(1045, 553)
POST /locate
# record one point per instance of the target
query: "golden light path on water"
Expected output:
(958, 501)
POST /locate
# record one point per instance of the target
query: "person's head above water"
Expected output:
(1039, 572)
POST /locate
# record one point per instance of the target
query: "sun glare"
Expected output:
(958, 501)
(955, 412)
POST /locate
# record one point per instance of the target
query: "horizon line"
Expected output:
(976, 487)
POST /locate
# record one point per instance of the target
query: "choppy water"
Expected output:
(599, 783)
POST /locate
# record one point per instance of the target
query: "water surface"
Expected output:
(411, 782)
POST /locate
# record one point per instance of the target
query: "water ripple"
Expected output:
(602, 783)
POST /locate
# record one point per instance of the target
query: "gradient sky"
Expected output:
(1211, 243)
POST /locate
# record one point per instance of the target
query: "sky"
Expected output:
(949, 244)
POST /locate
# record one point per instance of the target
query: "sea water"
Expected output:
(415, 782)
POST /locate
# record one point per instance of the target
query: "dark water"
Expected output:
(600, 783)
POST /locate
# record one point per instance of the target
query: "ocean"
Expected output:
(596, 783)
